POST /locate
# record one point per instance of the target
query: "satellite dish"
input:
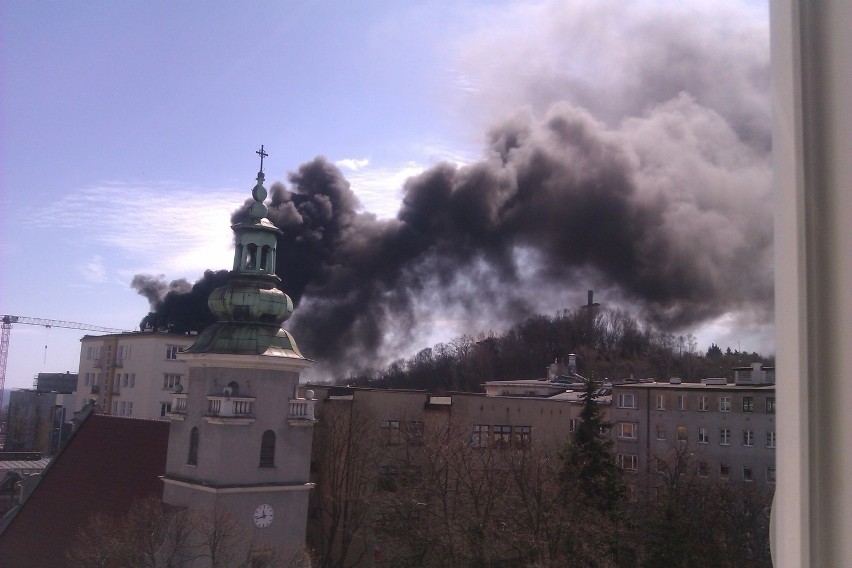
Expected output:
(309, 394)
(227, 391)
(178, 388)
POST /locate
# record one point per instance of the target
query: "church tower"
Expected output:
(240, 440)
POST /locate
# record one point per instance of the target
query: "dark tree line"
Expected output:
(609, 344)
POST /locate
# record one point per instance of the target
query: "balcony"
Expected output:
(178, 411)
(301, 412)
(95, 389)
(231, 410)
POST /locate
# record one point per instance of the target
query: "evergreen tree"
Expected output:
(588, 461)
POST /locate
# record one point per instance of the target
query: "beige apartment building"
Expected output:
(712, 429)
(131, 374)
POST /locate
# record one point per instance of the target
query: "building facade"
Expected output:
(715, 430)
(131, 374)
(37, 417)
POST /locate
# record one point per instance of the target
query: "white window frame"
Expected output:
(623, 399)
(628, 462)
(771, 439)
(703, 403)
(724, 436)
(628, 430)
(703, 435)
(748, 438)
(171, 352)
(682, 402)
(661, 431)
(171, 380)
(724, 404)
(661, 402)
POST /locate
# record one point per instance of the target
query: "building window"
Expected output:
(747, 473)
(165, 408)
(724, 436)
(703, 470)
(132, 380)
(572, 425)
(661, 432)
(703, 404)
(628, 462)
(724, 471)
(748, 404)
(123, 408)
(502, 435)
(413, 431)
(627, 400)
(392, 434)
(662, 467)
(267, 449)
(770, 405)
(703, 435)
(192, 458)
(724, 404)
(770, 474)
(130, 409)
(86, 379)
(170, 381)
(522, 436)
(479, 438)
(770, 439)
(172, 351)
(126, 380)
(681, 434)
(681, 402)
(627, 430)
(661, 402)
(748, 438)
(114, 407)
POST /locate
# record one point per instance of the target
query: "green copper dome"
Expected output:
(250, 309)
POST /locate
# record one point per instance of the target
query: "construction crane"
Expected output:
(7, 328)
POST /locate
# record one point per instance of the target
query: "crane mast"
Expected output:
(6, 328)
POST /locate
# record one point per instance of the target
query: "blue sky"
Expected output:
(129, 128)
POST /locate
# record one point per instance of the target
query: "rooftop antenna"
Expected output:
(262, 155)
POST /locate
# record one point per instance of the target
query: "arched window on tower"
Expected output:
(251, 256)
(264, 258)
(192, 458)
(267, 449)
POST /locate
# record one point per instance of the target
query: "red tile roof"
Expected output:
(108, 463)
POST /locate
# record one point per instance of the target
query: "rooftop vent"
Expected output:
(675, 381)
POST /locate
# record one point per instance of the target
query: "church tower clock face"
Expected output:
(263, 516)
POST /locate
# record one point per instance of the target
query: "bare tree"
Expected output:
(155, 535)
(347, 454)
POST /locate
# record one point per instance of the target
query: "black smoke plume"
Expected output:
(653, 191)
(560, 202)
(177, 306)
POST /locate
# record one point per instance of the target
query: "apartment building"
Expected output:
(713, 429)
(131, 374)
